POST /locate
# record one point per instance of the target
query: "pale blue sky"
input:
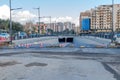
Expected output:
(56, 8)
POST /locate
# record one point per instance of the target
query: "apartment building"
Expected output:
(68, 25)
(104, 18)
(43, 27)
(28, 27)
(60, 26)
(118, 21)
(101, 20)
(84, 16)
(77, 30)
(51, 26)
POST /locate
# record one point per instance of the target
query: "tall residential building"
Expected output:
(84, 16)
(101, 20)
(56, 27)
(73, 26)
(43, 27)
(60, 26)
(77, 30)
(51, 26)
(68, 25)
(118, 21)
(104, 18)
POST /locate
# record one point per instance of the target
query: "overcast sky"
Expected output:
(60, 10)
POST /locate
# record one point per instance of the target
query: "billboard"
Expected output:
(85, 24)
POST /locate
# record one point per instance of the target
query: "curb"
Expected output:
(108, 68)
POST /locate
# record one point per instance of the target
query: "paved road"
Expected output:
(60, 63)
(44, 66)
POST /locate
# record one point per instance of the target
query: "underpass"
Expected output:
(63, 61)
(80, 43)
(63, 41)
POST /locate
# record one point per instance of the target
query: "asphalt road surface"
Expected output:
(31, 65)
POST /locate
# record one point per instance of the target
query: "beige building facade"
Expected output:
(104, 18)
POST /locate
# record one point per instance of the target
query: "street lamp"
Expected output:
(95, 21)
(11, 20)
(113, 27)
(38, 19)
(10, 23)
(56, 26)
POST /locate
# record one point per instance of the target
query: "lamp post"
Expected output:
(11, 20)
(10, 23)
(113, 27)
(56, 25)
(95, 21)
(38, 19)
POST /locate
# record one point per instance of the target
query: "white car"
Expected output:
(117, 38)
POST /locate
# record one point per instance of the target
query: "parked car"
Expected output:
(4, 36)
(117, 38)
(20, 35)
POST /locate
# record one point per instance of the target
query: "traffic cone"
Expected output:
(27, 45)
(41, 45)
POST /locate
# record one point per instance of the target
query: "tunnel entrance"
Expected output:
(70, 39)
(61, 40)
(65, 39)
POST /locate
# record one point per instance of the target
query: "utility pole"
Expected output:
(95, 20)
(38, 19)
(56, 25)
(113, 27)
(10, 23)
(50, 21)
(11, 20)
